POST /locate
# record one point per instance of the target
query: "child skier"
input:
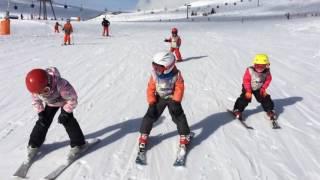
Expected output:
(56, 27)
(256, 81)
(67, 28)
(175, 41)
(50, 92)
(105, 24)
(165, 89)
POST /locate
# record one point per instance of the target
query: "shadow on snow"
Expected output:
(207, 127)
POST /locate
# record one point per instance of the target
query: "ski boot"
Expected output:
(31, 153)
(272, 115)
(141, 156)
(237, 114)
(184, 140)
(143, 139)
(75, 151)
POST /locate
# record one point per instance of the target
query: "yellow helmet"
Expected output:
(261, 59)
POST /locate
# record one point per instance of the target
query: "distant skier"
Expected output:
(256, 81)
(56, 27)
(68, 30)
(165, 89)
(105, 24)
(50, 92)
(175, 41)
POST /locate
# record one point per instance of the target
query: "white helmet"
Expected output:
(163, 62)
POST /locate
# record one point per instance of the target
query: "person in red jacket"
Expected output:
(175, 41)
(255, 82)
(165, 89)
(67, 28)
(56, 27)
(105, 24)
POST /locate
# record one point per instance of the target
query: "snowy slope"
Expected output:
(225, 10)
(110, 76)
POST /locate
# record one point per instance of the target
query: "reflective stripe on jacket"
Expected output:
(175, 41)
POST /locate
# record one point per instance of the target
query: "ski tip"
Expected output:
(179, 164)
(276, 127)
(141, 162)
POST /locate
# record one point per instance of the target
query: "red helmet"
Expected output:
(174, 30)
(36, 80)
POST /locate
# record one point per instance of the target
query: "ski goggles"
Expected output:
(158, 68)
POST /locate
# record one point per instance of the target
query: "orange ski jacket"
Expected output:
(172, 87)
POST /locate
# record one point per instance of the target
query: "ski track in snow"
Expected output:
(111, 74)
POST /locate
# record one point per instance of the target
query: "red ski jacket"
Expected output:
(253, 80)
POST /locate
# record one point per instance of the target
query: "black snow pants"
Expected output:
(41, 127)
(242, 102)
(155, 111)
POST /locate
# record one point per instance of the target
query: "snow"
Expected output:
(111, 74)
(246, 10)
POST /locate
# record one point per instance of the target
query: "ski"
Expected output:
(275, 124)
(24, 167)
(241, 120)
(182, 153)
(59, 170)
(141, 156)
(67, 44)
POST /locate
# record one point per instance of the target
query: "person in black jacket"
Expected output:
(105, 24)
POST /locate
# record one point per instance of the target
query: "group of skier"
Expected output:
(68, 30)
(50, 92)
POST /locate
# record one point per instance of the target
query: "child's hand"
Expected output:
(263, 92)
(248, 95)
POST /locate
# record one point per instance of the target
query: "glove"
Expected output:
(263, 92)
(166, 40)
(248, 95)
(64, 116)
